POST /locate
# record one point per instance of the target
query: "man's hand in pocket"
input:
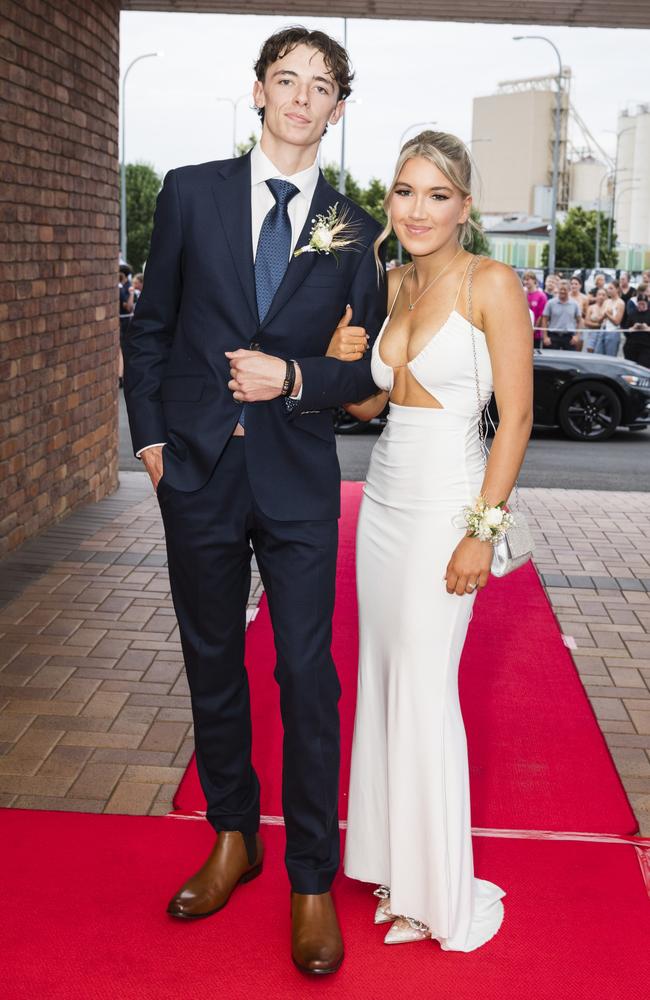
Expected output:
(152, 459)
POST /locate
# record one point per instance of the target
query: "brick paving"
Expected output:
(94, 707)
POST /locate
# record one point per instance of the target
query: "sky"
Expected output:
(407, 72)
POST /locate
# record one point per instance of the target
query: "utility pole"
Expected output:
(552, 236)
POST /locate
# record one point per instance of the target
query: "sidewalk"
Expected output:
(94, 707)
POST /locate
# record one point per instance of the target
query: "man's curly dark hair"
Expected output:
(284, 41)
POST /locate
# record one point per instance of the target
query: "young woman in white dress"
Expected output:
(418, 570)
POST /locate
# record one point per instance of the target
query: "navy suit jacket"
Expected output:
(199, 301)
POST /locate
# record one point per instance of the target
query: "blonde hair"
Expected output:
(451, 156)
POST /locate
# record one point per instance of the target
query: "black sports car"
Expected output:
(588, 395)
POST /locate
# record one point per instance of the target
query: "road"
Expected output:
(622, 463)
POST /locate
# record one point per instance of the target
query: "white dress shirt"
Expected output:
(262, 201)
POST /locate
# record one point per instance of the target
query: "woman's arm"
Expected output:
(504, 310)
(348, 343)
(505, 322)
(326, 382)
(368, 408)
(616, 312)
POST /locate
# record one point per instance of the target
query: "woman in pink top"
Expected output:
(537, 299)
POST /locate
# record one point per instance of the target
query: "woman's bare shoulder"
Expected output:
(493, 275)
(499, 293)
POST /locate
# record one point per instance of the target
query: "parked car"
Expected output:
(588, 395)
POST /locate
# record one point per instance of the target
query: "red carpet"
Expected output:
(83, 919)
(537, 757)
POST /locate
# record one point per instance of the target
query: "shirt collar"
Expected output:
(262, 170)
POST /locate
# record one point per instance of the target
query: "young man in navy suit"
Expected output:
(229, 394)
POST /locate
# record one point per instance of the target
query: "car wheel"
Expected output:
(345, 423)
(589, 411)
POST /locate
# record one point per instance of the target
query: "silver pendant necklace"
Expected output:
(412, 305)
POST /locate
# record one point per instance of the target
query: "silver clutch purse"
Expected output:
(516, 546)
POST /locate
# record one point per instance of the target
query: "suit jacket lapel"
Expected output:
(300, 267)
(232, 194)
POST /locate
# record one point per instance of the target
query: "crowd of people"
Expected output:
(611, 317)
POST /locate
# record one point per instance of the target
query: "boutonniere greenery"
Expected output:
(331, 232)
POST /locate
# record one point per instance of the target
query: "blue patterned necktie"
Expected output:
(274, 245)
(273, 249)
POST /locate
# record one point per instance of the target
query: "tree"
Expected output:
(247, 145)
(575, 244)
(142, 187)
(370, 198)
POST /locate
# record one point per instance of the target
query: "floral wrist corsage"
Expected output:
(489, 524)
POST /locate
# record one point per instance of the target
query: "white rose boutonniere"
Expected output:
(331, 232)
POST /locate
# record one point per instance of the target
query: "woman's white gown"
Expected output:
(409, 822)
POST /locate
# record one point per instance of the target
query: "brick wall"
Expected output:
(59, 68)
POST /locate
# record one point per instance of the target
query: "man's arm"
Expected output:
(148, 341)
(576, 338)
(321, 382)
(328, 382)
(579, 320)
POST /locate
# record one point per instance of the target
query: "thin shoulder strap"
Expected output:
(399, 288)
(472, 265)
(470, 262)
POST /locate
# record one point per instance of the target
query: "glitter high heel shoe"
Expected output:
(405, 930)
(382, 913)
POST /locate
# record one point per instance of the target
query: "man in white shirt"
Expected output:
(229, 396)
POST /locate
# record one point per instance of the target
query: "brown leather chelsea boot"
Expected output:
(316, 942)
(235, 858)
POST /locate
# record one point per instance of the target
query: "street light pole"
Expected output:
(624, 190)
(147, 55)
(605, 177)
(342, 164)
(408, 129)
(556, 147)
(234, 103)
(629, 128)
(631, 187)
